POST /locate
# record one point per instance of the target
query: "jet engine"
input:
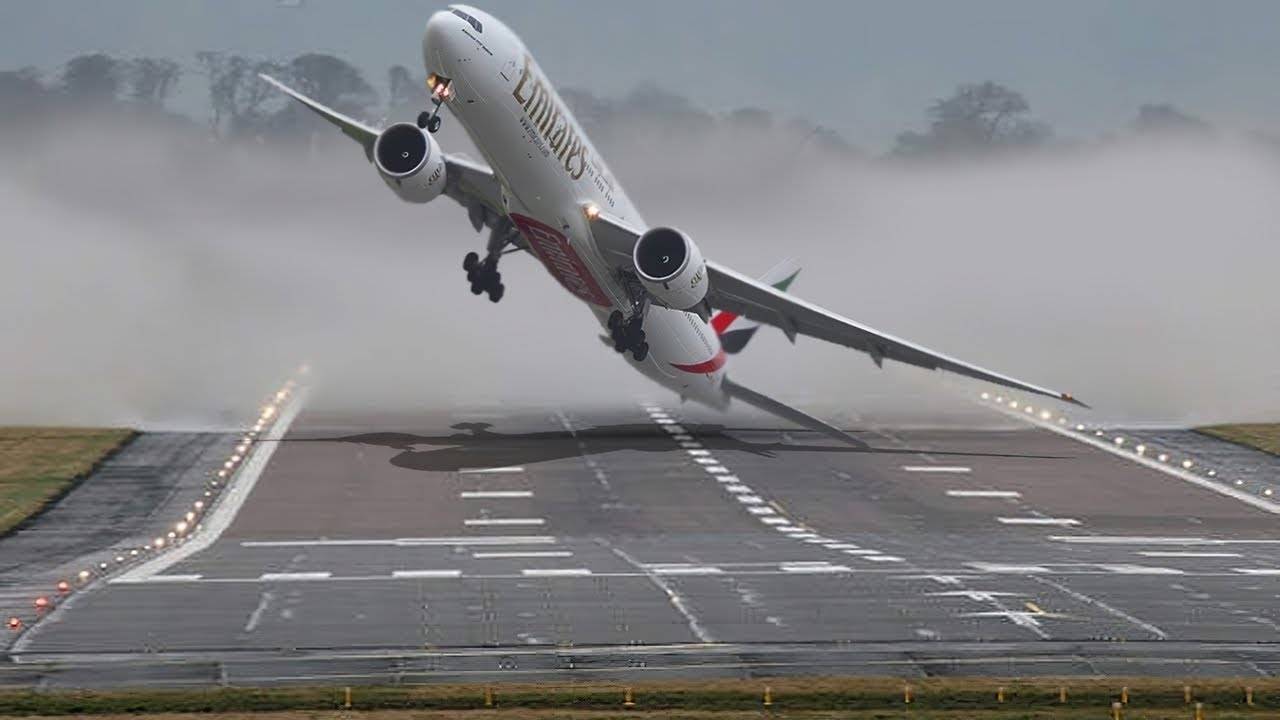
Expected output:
(410, 162)
(671, 268)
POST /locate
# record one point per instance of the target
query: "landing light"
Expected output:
(1045, 414)
(1267, 492)
(1163, 457)
(84, 575)
(1187, 464)
(1119, 441)
(159, 542)
(985, 396)
(1213, 473)
(592, 211)
(1013, 404)
(1079, 428)
(1141, 449)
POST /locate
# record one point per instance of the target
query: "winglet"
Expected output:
(1068, 397)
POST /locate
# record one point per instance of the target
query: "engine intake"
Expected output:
(671, 267)
(410, 162)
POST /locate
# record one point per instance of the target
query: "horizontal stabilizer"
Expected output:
(786, 412)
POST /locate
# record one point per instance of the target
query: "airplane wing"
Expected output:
(755, 300)
(471, 184)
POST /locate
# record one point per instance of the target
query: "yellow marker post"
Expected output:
(1000, 694)
(768, 696)
(1248, 696)
(1062, 694)
(1124, 695)
(488, 696)
(906, 694)
(1115, 711)
(1186, 694)
(628, 701)
(1199, 711)
(346, 703)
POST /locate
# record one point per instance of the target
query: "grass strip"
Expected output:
(845, 697)
(1260, 436)
(39, 465)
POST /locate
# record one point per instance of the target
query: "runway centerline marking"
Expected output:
(426, 574)
(1117, 612)
(499, 470)
(673, 596)
(959, 469)
(528, 554)
(555, 572)
(1037, 521)
(494, 494)
(290, 576)
(984, 494)
(1157, 540)
(409, 542)
(1183, 554)
(483, 522)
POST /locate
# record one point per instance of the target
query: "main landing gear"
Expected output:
(628, 334)
(484, 276)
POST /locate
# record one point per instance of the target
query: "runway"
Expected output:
(480, 543)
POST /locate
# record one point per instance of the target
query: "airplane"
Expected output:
(545, 189)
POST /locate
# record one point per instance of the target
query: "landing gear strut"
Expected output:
(440, 91)
(484, 276)
(628, 334)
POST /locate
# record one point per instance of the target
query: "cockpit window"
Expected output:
(470, 20)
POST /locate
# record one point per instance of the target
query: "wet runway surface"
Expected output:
(479, 544)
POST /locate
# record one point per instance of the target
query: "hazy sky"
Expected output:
(865, 68)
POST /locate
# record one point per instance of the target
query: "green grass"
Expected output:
(37, 465)
(1262, 436)
(819, 699)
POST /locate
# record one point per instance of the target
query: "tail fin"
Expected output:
(735, 331)
(786, 412)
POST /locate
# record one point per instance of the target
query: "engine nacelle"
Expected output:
(410, 162)
(671, 267)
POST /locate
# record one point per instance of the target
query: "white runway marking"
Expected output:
(775, 520)
(984, 493)
(1007, 569)
(937, 468)
(815, 568)
(1105, 607)
(255, 617)
(1127, 569)
(410, 542)
(685, 570)
(555, 572)
(286, 576)
(486, 522)
(478, 471)
(699, 453)
(749, 499)
(860, 552)
(1149, 540)
(762, 510)
(1257, 571)
(716, 469)
(673, 596)
(1174, 554)
(494, 494)
(532, 554)
(1037, 521)
(884, 558)
(156, 579)
(426, 573)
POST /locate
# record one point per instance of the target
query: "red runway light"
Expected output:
(64, 586)
(42, 602)
(14, 623)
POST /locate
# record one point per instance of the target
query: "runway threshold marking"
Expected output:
(958, 469)
(494, 494)
(156, 579)
(984, 494)
(480, 471)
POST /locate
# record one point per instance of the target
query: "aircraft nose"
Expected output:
(441, 33)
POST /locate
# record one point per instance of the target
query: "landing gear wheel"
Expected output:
(433, 124)
(424, 119)
(496, 292)
(476, 288)
(641, 351)
(470, 262)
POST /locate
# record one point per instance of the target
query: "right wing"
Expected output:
(471, 184)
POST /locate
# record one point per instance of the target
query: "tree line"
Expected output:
(975, 120)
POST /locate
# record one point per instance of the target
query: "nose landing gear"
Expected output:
(628, 335)
(441, 90)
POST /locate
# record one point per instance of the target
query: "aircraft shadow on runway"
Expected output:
(476, 445)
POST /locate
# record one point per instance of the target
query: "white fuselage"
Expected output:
(549, 172)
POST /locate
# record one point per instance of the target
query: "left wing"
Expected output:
(755, 300)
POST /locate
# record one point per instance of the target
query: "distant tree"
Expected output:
(238, 98)
(152, 80)
(977, 118)
(92, 78)
(332, 81)
(1165, 118)
(22, 94)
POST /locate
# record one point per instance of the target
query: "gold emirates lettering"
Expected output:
(541, 106)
